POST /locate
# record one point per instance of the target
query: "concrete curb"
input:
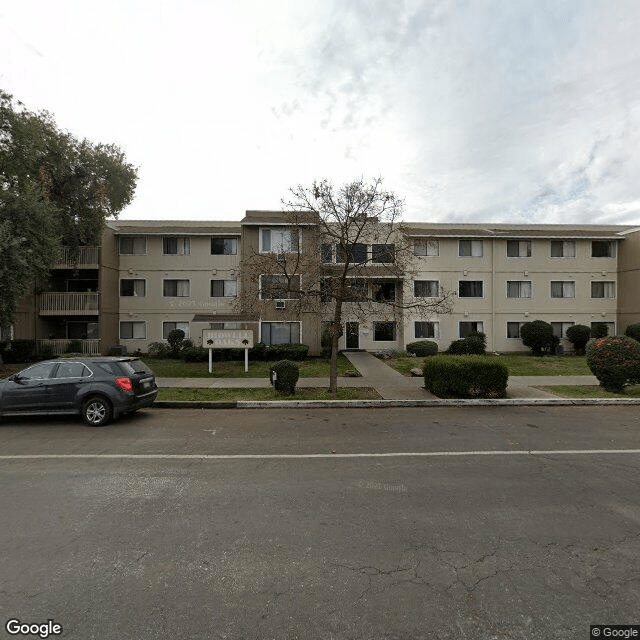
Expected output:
(355, 404)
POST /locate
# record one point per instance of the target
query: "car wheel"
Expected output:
(96, 411)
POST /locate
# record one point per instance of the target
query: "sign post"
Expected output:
(227, 339)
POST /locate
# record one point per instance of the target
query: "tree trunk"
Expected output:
(336, 332)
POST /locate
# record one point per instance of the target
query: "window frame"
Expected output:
(277, 275)
(186, 244)
(423, 282)
(563, 282)
(476, 330)
(520, 243)
(289, 322)
(519, 323)
(293, 247)
(604, 282)
(394, 326)
(611, 244)
(426, 244)
(224, 239)
(187, 333)
(556, 241)
(520, 283)
(471, 242)
(120, 294)
(164, 280)
(469, 282)
(132, 237)
(435, 326)
(224, 281)
(563, 329)
(132, 322)
(382, 251)
(338, 252)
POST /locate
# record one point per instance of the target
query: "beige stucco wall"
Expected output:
(629, 281)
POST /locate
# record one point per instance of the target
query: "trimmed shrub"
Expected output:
(615, 361)
(466, 376)
(195, 354)
(175, 340)
(578, 335)
(633, 331)
(599, 330)
(474, 344)
(286, 351)
(158, 350)
(287, 374)
(538, 336)
(21, 351)
(422, 348)
(257, 351)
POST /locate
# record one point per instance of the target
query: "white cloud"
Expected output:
(477, 110)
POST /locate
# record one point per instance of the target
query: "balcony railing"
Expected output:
(58, 347)
(68, 304)
(78, 258)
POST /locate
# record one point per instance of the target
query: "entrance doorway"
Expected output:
(353, 335)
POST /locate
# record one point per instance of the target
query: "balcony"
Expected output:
(78, 258)
(68, 304)
(58, 347)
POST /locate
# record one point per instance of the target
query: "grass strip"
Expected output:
(306, 393)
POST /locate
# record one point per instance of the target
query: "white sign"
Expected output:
(227, 339)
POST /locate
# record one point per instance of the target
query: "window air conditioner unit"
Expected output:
(281, 304)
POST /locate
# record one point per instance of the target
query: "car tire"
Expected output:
(96, 411)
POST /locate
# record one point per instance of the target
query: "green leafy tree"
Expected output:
(55, 191)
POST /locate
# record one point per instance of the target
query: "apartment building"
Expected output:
(149, 277)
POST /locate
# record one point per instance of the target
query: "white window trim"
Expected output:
(138, 321)
(373, 330)
(289, 228)
(476, 321)
(145, 288)
(437, 287)
(177, 238)
(426, 243)
(506, 249)
(226, 237)
(506, 293)
(436, 329)
(482, 297)
(614, 245)
(295, 275)
(573, 257)
(575, 290)
(520, 322)
(178, 279)
(146, 245)
(615, 290)
(260, 321)
(480, 240)
(223, 280)
(187, 333)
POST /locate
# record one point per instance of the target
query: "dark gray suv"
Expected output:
(99, 389)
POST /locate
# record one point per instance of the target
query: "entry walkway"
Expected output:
(390, 384)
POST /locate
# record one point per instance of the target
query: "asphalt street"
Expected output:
(472, 523)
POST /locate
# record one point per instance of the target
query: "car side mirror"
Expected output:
(16, 377)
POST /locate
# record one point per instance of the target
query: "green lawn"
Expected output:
(265, 394)
(518, 365)
(588, 391)
(310, 368)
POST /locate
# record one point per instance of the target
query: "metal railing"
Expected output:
(61, 304)
(59, 346)
(76, 257)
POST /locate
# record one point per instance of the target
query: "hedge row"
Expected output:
(465, 376)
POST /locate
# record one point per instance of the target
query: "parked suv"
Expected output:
(99, 389)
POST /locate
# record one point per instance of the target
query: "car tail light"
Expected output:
(124, 383)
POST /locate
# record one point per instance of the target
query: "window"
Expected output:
(560, 328)
(176, 288)
(513, 329)
(224, 246)
(133, 287)
(470, 288)
(611, 327)
(384, 291)
(357, 290)
(326, 252)
(427, 329)
(38, 371)
(384, 331)
(174, 246)
(133, 330)
(603, 249)
(383, 253)
(518, 248)
(426, 248)
(563, 289)
(426, 288)
(563, 248)
(224, 288)
(133, 245)
(72, 370)
(280, 332)
(278, 240)
(226, 325)
(168, 327)
(518, 288)
(470, 248)
(467, 328)
(603, 289)
(279, 287)
(356, 253)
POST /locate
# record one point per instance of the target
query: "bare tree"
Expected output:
(348, 256)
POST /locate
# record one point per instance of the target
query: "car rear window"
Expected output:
(112, 368)
(135, 366)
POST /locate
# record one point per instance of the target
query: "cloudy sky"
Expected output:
(492, 110)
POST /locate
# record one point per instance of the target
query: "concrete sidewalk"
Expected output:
(390, 384)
